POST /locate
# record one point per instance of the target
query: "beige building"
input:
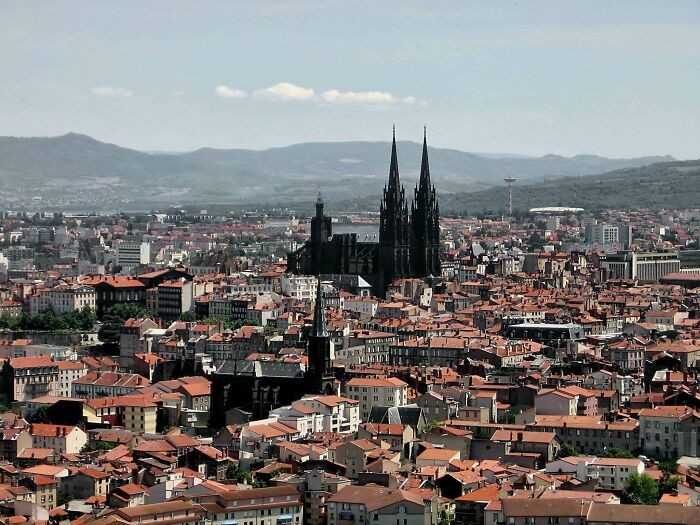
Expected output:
(63, 439)
(62, 299)
(555, 402)
(85, 483)
(69, 371)
(32, 377)
(360, 505)
(139, 414)
(265, 506)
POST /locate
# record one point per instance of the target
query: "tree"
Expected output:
(188, 317)
(566, 451)
(617, 453)
(239, 475)
(642, 490)
(535, 242)
(669, 466)
(669, 484)
(114, 318)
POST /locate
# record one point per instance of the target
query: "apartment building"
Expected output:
(360, 505)
(139, 414)
(589, 434)
(669, 431)
(555, 402)
(170, 299)
(575, 511)
(179, 512)
(300, 287)
(609, 473)
(105, 384)
(63, 439)
(69, 372)
(62, 299)
(370, 392)
(131, 254)
(264, 506)
(641, 266)
(31, 377)
(326, 413)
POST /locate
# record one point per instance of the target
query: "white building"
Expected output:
(610, 473)
(321, 414)
(62, 299)
(69, 371)
(131, 254)
(301, 287)
(371, 392)
(365, 307)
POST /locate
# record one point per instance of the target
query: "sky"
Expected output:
(616, 78)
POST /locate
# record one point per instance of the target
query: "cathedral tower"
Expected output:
(394, 227)
(425, 222)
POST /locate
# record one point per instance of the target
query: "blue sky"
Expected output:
(617, 78)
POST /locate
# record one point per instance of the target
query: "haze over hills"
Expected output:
(76, 170)
(663, 185)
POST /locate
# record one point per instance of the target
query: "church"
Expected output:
(409, 239)
(255, 387)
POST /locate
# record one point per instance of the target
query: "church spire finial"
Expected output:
(424, 179)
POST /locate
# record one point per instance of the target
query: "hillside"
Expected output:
(662, 185)
(78, 171)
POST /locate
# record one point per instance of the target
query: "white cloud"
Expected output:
(286, 91)
(334, 96)
(111, 91)
(229, 92)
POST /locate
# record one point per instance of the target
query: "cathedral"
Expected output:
(409, 239)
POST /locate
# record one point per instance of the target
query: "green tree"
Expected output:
(642, 490)
(114, 318)
(669, 467)
(239, 475)
(668, 484)
(617, 453)
(188, 317)
(566, 451)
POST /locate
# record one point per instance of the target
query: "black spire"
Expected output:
(424, 181)
(425, 218)
(318, 329)
(394, 182)
(394, 226)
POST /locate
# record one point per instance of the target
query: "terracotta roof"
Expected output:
(375, 497)
(47, 430)
(666, 411)
(32, 362)
(442, 454)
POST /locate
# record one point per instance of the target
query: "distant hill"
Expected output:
(76, 170)
(662, 185)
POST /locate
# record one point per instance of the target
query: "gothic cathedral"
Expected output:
(409, 242)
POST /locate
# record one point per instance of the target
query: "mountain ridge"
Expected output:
(76, 169)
